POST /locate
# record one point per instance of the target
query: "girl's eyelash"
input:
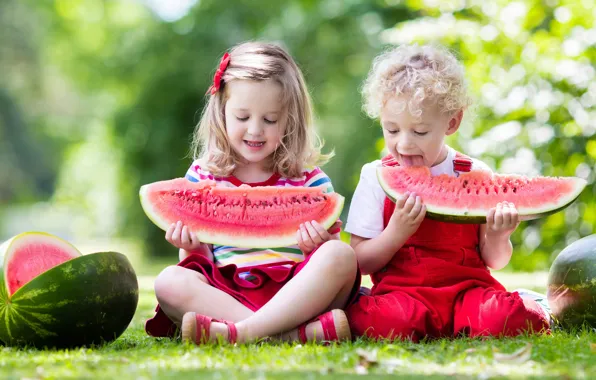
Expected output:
(421, 133)
(266, 120)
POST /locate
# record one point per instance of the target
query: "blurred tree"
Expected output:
(26, 173)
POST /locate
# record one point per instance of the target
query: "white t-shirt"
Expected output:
(365, 218)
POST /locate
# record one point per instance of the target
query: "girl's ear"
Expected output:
(455, 122)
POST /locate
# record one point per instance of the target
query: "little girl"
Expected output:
(257, 130)
(430, 278)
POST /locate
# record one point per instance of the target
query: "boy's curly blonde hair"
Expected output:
(421, 73)
(300, 145)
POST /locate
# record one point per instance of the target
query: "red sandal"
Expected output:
(196, 328)
(335, 327)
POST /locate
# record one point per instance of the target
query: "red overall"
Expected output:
(437, 285)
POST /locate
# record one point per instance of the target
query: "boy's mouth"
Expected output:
(411, 160)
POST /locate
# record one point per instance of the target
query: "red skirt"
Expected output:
(264, 283)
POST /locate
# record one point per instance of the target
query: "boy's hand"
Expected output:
(502, 220)
(408, 214)
(180, 237)
(311, 235)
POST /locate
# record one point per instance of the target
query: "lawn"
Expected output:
(135, 355)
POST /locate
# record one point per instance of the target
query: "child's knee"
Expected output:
(167, 283)
(338, 255)
(173, 282)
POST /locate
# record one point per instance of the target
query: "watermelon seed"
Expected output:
(466, 184)
(505, 189)
(515, 189)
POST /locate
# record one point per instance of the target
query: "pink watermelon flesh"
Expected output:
(469, 197)
(30, 255)
(254, 217)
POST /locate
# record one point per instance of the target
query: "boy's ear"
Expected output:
(455, 122)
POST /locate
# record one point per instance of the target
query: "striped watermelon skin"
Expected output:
(571, 291)
(87, 300)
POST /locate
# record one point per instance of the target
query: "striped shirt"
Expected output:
(247, 257)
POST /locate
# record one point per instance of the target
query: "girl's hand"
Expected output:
(408, 214)
(180, 237)
(502, 220)
(311, 235)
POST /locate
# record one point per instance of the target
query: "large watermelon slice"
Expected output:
(253, 217)
(571, 283)
(52, 296)
(469, 197)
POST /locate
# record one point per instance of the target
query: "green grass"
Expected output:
(135, 355)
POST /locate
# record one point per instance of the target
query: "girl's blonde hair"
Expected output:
(419, 72)
(300, 145)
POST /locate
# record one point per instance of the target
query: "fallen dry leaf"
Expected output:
(593, 347)
(520, 356)
(361, 370)
(391, 364)
(366, 360)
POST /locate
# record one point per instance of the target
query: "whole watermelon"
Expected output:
(52, 296)
(572, 284)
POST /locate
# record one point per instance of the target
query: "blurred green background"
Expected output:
(100, 97)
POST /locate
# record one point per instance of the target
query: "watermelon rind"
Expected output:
(214, 237)
(11, 245)
(87, 300)
(571, 284)
(478, 216)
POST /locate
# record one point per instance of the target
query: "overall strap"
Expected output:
(462, 163)
(388, 205)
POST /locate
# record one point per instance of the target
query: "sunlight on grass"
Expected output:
(140, 356)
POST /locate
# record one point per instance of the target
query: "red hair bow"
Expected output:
(223, 65)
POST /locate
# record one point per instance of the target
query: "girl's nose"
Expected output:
(255, 128)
